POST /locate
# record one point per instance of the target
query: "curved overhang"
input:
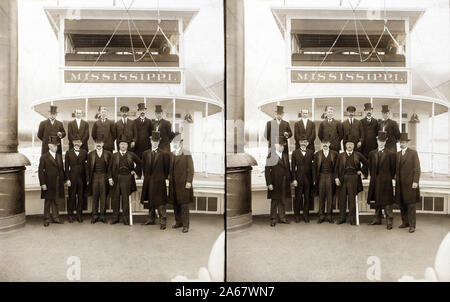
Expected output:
(183, 104)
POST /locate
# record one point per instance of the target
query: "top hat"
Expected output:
(280, 110)
(100, 108)
(54, 140)
(404, 137)
(53, 109)
(158, 109)
(368, 106)
(351, 109)
(384, 108)
(99, 138)
(123, 139)
(124, 109)
(382, 136)
(156, 136)
(141, 106)
(350, 139)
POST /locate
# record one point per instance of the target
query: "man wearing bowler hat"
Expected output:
(164, 127)
(51, 179)
(370, 130)
(156, 167)
(51, 127)
(104, 128)
(78, 128)
(352, 128)
(277, 128)
(332, 129)
(126, 127)
(76, 172)
(305, 127)
(144, 128)
(407, 176)
(382, 171)
(348, 180)
(391, 128)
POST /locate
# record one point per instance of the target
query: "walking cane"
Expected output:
(130, 209)
(357, 211)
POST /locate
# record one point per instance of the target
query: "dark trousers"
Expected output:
(408, 213)
(277, 205)
(348, 192)
(50, 204)
(76, 199)
(387, 211)
(98, 193)
(302, 198)
(162, 213)
(325, 195)
(122, 189)
(182, 214)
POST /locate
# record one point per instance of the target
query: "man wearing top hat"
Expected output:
(98, 165)
(407, 176)
(144, 128)
(347, 176)
(78, 128)
(305, 127)
(51, 127)
(76, 170)
(181, 175)
(121, 179)
(156, 166)
(324, 184)
(276, 128)
(391, 128)
(370, 130)
(352, 128)
(164, 127)
(51, 179)
(104, 128)
(332, 129)
(278, 180)
(382, 171)
(302, 178)
(126, 127)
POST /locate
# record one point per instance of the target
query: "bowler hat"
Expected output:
(382, 136)
(384, 108)
(326, 139)
(404, 137)
(280, 109)
(123, 139)
(124, 109)
(158, 109)
(141, 106)
(351, 109)
(53, 109)
(54, 140)
(302, 138)
(368, 106)
(99, 139)
(156, 136)
(76, 138)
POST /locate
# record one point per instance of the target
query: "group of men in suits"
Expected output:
(369, 148)
(143, 147)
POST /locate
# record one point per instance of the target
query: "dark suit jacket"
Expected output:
(144, 131)
(370, 133)
(309, 132)
(284, 127)
(332, 130)
(279, 176)
(392, 133)
(318, 159)
(76, 167)
(82, 133)
(382, 170)
(49, 171)
(132, 160)
(129, 130)
(360, 163)
(46, 129)
(107, 156)
(165, 129)
(354, 131)
(302, 166)
(181, 171)
(156, 171)
(108, 130)
(407, 172)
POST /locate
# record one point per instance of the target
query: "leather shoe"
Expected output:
(80, 219)
(272, 224)
(176, 226)
(58, 221)
(306, 219)
(389, 227)
(297, 219)
(185, 230)
(285, 221)
(102, 219)
(114, 221)
(412, 229)
(340, 221)
(94, 220)
(162, 227)
(149, 222)
(70, 218)
(375, 222)
(320, 220)
(403, 225)
(46, 224)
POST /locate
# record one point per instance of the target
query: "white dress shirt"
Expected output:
(99, 153)
(305, 122)
(78, 122)
(326, 152)
(404, 151)
(280, 155)
(53, 154)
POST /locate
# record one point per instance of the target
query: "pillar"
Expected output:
(238, 163)
(12, 163)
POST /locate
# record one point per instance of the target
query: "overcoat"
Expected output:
(279, 176)
(132, 161)
(392, 133)
(76, 168)
(353, 132)
(318, 159)
(333, 131)
(107, 130)
(49, 171)
(283, 127)
(181, 171)
(360, 163)
(165, 129)
(82, 133)
(107, 156)
(309, 132)
(144, 130)
(128, 129)
(382, 171)
(370, 130)
(407, 172)
(156, 171)
(46, 129)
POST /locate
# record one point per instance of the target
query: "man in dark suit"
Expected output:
(181, 175)
(305, 127)
(382, 172)
(277, 128)
(370, 131)
(324, 167)
(348, 179)
(121, 179)
(302, 173)
(99, 164)
(126, 127)
(352, 128)
(156, 166)
(78, 128)
(144, 128)
(164, 127)
(278, 180)
(407, 176)
(76, 171)
(51, 127)
(51, 179)
(105, 128)
(391, 128)
(331, 129)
